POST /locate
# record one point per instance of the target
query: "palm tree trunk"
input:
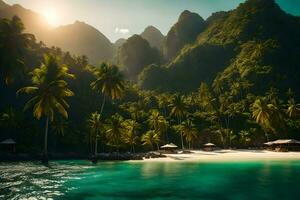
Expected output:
(45, 158)
(101, 110)
(167, 137)
(179, 122)
(266, 134)
(103, 102)
(96, 146)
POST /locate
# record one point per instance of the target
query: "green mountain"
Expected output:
(257, 42)
(87, 40)
(185, 31)
(135, 54)
(153, 36)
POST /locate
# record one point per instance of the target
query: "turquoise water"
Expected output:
(123, 180)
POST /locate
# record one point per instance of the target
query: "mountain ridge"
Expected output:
(256, 29)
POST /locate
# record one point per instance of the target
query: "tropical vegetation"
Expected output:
(248, 94)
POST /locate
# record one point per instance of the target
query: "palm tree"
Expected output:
(12, 119)
(245, 137)
(189, 131)
(205, 96)
(115, 131)
(109, 81)
(12, 49)
(179, 110)
(293, 109)
(262, 114)
(95, 125)
(163, 101)
(158, 123)
(49, 90)
(58, 127)
(151, 138)
(129, 136)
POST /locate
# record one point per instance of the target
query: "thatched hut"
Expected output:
(8, 145)
(169, 148)
(209, 147)
(283, 145)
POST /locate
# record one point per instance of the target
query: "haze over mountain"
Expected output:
(153, 36)
(119, 42)
(78, 38)
(257, 42)
(82, 39)
(34, 22)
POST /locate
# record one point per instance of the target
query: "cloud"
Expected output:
(122, 30)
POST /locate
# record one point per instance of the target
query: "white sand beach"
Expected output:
(226, 155)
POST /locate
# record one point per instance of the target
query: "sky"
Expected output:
(123, 18)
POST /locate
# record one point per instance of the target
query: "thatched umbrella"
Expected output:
(209, 147)
(9, 142)
(169, 146)
(284, 144)
(286, 141)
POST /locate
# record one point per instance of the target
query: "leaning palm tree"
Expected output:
(179, 110)
(151, 138)
(13, 45)
(95, 125)
(49, 90)
(261, 112)
(109, 81)
(189, 131)
(131, 129)
(293, 109)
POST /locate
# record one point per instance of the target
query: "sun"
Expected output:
(52, 17)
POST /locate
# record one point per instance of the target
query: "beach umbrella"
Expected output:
(268, 143)
(8, 141)
(171, 145)
(209, 145)
(286, 141)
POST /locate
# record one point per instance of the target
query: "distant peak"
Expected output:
(186, 14)
(151, 29)
(17, 6)
(261, 4)
(79, 22)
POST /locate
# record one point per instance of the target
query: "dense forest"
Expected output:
(232, 79)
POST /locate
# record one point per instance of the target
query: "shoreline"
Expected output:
(194, 156)
(226, 156)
